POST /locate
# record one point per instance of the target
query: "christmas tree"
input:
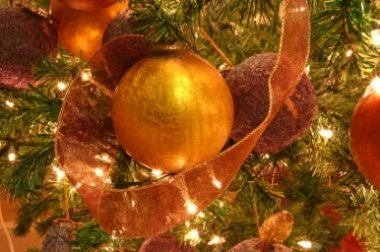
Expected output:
(134, 126)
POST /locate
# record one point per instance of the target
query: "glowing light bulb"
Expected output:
(61, 85)
(192, 236)
(375, 35)
(307, 69)
(326, 133)
(12, 156)
(156, 173)
(217, 183)
(305, 244)
(191, 207)
(9, 103)
(349, 53)
(201, 215)
(215, 240)
(99, 172)
(86, 75)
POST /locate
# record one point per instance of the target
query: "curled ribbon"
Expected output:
(85, 141)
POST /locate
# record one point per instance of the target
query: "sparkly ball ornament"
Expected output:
(365, 134)
(25, 39)
(81, 32)
(172, 110)
(249, 87)
(120, 25)
(88, 5)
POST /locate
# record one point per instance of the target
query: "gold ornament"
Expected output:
(88, 5)
(172, 110)
(81, 32)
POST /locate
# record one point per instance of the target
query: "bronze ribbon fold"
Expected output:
(86, 145)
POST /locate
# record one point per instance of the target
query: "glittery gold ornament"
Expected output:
(88, 5)
(172, 110)
(81, 32)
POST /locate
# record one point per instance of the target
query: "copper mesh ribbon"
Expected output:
(85, 142)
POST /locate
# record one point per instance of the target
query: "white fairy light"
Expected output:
(61, 85)
(217, 183)
(201, 215)
(191, 207)
(326, 133)
(9, 103)
(192, 236)
(60, 174)
(99, 172)
(375, 35)
(156, 173)
(305, 244)
(215, 240)
(12, 156)
(349, 53)
(86, 75)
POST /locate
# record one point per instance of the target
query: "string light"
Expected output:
(86, 75)
(58, 173)
(12, 156)
(191, 207)
(9, 103)
(375, 35)
(61, 85)
(201, 215)
(215, 240)
(156, 173)
(192, 236)
(326, 133)
(305, 244)
(349, 53)
(99, 172)
(217, 183)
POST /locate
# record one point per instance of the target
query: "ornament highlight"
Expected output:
(249, 88)
(81, 32)
(365, 135)
(25, 39)
(172, 110)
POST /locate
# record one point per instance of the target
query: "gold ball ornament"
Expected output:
(365, 135)
(172, 110)
(81, 32)
(88, 5)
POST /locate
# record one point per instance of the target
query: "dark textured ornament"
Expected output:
(248, 83)
(133, 47)
(365, 137)
(25, 39)
(164, 243)
(254, 245)
(58, 237)
(88, 5)
(122, 24)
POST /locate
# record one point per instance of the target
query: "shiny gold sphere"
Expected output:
(172, 110)
(88, 5)
(81, 32)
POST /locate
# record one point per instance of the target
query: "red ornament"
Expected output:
(365, 136)
(349, 243)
